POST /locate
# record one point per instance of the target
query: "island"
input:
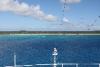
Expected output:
(52, 32)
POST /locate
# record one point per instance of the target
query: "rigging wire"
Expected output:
(64, 10)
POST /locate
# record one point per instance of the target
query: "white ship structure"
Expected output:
(54, 64)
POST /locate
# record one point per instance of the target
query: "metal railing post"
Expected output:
(76, 65)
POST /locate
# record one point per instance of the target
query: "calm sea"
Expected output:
(33, 49)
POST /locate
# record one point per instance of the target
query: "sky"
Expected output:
(49, 15)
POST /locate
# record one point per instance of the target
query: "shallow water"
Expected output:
(33, 49)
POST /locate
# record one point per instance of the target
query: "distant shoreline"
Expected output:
(53, 34)
(49, 32)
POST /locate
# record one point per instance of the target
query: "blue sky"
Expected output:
(23, 15)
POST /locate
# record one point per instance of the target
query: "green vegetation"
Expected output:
(49, 32)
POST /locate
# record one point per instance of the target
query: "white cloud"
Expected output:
(50, 18)
(65, 20)
(25, 9)
(70, 1)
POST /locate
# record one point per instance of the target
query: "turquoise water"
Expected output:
(33, 49)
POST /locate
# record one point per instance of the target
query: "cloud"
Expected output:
(65, 20)
(70, 1)
(26, 10)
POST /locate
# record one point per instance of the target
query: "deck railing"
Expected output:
(61, 65)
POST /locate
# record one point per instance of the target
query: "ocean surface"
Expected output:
(34, 49)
